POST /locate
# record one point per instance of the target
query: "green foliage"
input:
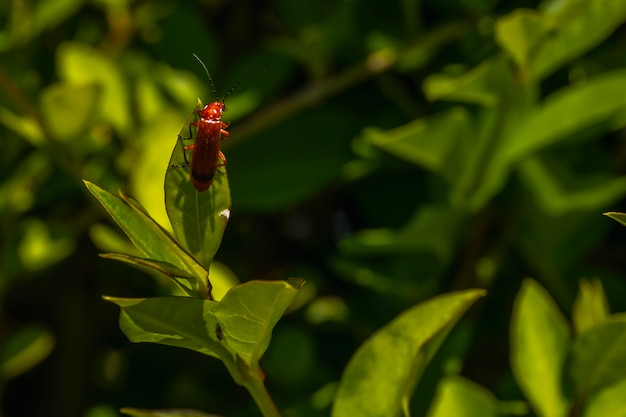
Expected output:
(540, 341)
(237, 329)
(382, 374)
(560, 375)
(198, 219)
(396, 155)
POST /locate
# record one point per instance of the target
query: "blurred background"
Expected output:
(387, 152)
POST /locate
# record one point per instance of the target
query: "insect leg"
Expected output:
(221, 156)
(186, 148)
(190, 134)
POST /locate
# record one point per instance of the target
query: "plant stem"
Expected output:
(374, 64)
(262, 398)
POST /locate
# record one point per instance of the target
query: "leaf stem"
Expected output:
(256, 388)
(375, 64)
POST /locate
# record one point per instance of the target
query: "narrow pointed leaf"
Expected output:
(620, 217)
(590, 307)
(141, 233)
(149, 237)
(198, 218)
(381, 376)
(184, 279)
(198, 270)
(540, 340)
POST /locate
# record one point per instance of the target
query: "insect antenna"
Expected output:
(210, 79)
(244, 79)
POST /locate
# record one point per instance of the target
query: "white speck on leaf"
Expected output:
(225, 213)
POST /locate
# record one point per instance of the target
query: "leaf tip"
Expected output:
(296, 283)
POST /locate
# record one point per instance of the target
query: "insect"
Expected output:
(206, 156)
(219, 333)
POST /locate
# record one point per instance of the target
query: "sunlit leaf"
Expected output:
(248, 313)
(198, 218)
(68, 108)
(81, 64)
(237, 330)
(565, 112)
(578, 27)
(540, 339)
(383, 373)
(607, 402)
(562, 114)
(460, 397)
(42, 245)
(519, 34)
(150, 238)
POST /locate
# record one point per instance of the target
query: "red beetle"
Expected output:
(206, 155)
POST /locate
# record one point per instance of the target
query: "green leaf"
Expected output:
(556, 196)
(184, 322)
(27, 21)
(236, 329)
(432, 229)
(150, 238)
(591, 307)
(460, 397)
(183, 278)
(248, 313)
(198, 218)
(382, 374)
(68, 108)
(24, 349)
(142, 234)
(546, 125)
(540, 341)
(565, 112)
(519, 33)
(438, 143)
(620, 217)
(481, 85)
(608, 402)
(576, 28)
(43, 244)
(81, 64)
(597, 358)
